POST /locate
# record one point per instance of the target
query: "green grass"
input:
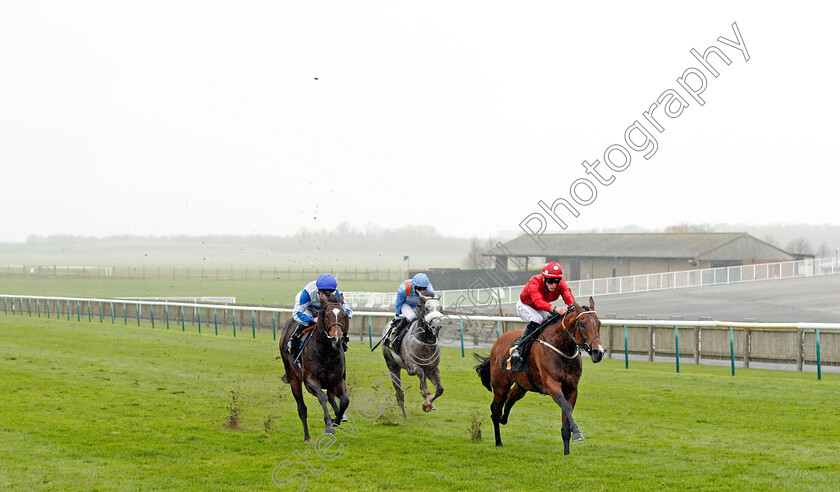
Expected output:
(89, 406)
(264, 292)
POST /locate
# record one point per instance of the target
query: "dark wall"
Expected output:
(457, 278)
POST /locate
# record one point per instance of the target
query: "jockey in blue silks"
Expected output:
(310, 300)
(408, 298)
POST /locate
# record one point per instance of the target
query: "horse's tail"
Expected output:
(483, 370)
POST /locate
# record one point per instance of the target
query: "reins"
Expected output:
(552, 347)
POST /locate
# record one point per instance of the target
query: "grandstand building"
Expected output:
(588, 256)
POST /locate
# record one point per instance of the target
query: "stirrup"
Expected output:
(395, 332)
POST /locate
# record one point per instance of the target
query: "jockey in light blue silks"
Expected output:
(408, 298)
(310, 300)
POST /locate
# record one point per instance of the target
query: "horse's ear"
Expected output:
(591, 303)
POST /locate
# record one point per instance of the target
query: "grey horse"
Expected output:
(420, 351)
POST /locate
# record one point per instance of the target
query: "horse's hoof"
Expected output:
(329, 430)
(433, 406)
(427, 407)
(307, 441)
(578, 437)
(498, 445)
(344, 418)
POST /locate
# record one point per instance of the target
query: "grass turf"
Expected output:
(89, 406)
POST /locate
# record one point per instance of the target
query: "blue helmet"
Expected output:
(326, 282)
(421, 280)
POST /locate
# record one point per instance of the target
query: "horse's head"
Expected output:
(583, 323)
(335, 321)
(430, 312)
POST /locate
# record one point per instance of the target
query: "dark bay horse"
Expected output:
(420, 349)
(555, 367)
(321, 369)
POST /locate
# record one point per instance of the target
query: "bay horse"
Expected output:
(322, 369)
(420, 349)
(554, 362)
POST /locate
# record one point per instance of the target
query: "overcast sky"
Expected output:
(174, 117)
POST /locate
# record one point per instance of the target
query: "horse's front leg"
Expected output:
(434, 377)
(297, 391)
(313, 387)
(500, 392)
(555, 389)
(424, 392)
(335, 408)
(577, 436)
(340, 390)
(566, 432)
(333, 402)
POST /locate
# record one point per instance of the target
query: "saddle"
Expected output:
(521, 364)
(524, 344)
(396, 344)
(303, 337)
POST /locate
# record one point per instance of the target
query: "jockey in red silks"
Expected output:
(534, 302)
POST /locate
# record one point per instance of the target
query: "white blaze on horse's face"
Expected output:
(336, 312)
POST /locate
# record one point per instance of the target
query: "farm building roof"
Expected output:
(697, 245)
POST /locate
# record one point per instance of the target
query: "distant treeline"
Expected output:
(341, 246)
(341, 238)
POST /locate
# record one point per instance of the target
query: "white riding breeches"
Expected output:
(529, 314)
(409, 312)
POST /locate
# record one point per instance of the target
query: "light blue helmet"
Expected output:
(421, 280)
(326, 282)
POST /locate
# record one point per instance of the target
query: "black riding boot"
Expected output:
(294, 340)
(396, 329)
(530, 330)
(524, 340)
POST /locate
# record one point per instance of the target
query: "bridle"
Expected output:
(587, 346)
(578, 329)
(426, 330)
(424, 325)
(338, 323)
